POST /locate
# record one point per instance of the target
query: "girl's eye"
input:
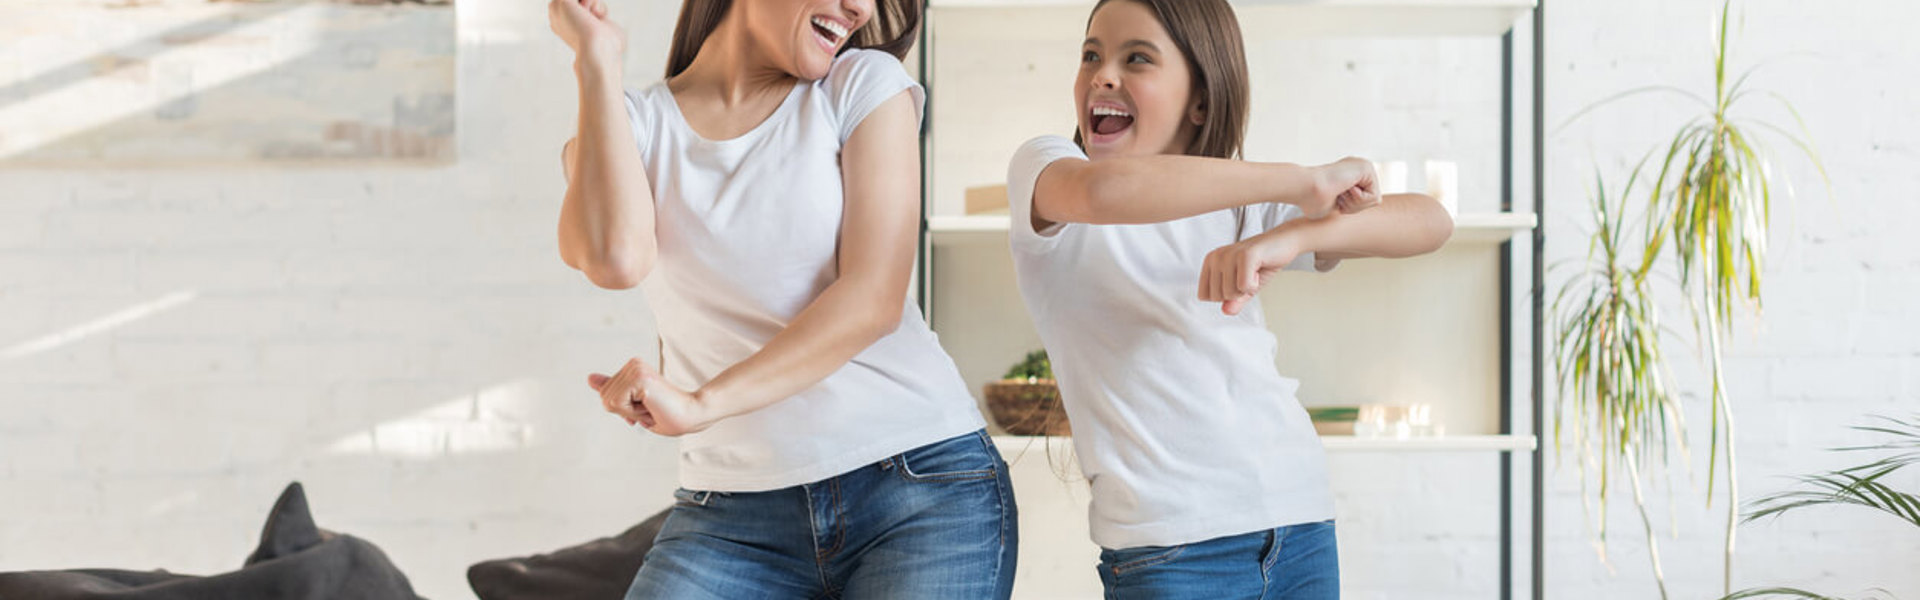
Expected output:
(1089, 56)
(1139, 59)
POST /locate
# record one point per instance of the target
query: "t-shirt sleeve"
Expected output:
(861, 80)
(1261, 218)
(637, 122)
(1023, 174)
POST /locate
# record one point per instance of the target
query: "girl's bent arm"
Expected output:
(1155, 189)
(1403, 225)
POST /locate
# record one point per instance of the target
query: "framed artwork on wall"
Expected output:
(202, 82)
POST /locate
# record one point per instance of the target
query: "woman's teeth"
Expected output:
(834, 32)
(1105, 111)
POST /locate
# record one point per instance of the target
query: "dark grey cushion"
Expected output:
(597, 570)
(296, 560)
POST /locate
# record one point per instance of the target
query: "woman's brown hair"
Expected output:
(894, 27)
(1208, 33)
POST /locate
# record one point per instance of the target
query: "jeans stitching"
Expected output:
(1276, 538)
(906, 470)
(813, 528)
(1148, 561)
(839, 520)
(1003, 486)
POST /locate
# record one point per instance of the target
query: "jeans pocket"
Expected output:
(964, 458)
(1121, 562)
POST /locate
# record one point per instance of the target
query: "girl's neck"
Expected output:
(732, 69)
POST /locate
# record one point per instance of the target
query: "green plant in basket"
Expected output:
(1026, 401)
(1035, 366)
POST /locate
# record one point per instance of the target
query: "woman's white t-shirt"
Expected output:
(1182, 424)
(748, 231)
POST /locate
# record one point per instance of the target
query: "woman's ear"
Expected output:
(1197, 113)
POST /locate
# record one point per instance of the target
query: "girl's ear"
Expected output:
(1197, 112)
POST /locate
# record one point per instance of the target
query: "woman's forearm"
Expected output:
(1403, 225)
(879, 229)
(606, 220)
(1160, 188)
(840, 324)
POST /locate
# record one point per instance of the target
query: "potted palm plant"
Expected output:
(1706, 216)
(1861, 486)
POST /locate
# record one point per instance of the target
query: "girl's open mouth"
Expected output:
(1107, 122)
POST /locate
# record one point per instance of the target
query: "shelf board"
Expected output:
(1480, 228)
(1344, 443)
(1446, 443)
(1299, 18)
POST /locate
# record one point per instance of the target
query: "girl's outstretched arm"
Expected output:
(606, 219)
(1159, 188)
(1404, 225)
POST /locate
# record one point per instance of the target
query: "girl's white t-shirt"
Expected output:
(1181, 421)
(748, 231)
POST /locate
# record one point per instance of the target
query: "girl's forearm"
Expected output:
(1154, 189)
(606, 220)
(1403, 225)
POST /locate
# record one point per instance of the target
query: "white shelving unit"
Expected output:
(1432, 326)
(1481, 228)
(1299, 18)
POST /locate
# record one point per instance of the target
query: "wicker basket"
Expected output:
(1027, 407)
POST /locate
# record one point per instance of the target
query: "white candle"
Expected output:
(1393, 176)
(1443, 183)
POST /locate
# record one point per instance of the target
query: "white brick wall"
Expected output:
(405, 341)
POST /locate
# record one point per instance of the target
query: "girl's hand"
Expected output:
(641, 396)
(1234, 273)
(1351, 182)
(584, 26)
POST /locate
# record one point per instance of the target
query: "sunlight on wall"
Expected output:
(96, 326)
(491, 420)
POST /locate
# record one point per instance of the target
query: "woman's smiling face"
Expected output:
(1135, 90)
(805, 35)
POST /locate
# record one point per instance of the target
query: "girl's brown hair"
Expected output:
(894, 27)
(1208, 34)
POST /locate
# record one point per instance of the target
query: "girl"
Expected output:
(766, 195)
(1208, 480)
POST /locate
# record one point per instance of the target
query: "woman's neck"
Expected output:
(733, 69)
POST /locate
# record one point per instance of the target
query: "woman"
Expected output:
(766, 195)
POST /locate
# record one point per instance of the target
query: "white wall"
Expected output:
(178, 344)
